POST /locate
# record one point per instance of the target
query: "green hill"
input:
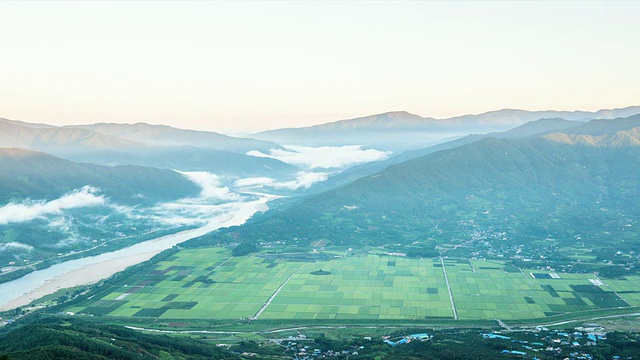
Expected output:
(76, 340)
(36, 175)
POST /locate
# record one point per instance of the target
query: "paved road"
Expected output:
(446, 279)
(266, 304)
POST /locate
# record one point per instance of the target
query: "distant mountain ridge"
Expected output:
(386, 120)
(45, 138)
(400, 130)
(145, 145)
(519, 117)
(171, 136)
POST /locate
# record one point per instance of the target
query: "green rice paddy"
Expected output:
(210, 284)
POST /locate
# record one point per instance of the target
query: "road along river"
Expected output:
(92, 269)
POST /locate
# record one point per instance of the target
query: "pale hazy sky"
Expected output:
(246, 66)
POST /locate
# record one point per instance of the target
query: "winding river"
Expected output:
(91, 269)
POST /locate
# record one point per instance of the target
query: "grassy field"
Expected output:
(210, 284)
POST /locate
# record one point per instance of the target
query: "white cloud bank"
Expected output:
(15, 246)
(323, 157)
(303, 180)
(26, 211)
(254, 182)
(211, 186)
(213, 200)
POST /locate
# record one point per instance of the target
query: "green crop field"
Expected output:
(211, 284)
(628, 288)
(492, 293)
(365, 287)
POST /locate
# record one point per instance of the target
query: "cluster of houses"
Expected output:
(407, 339)
(572, 345)
(298, 348)
(305, 352)
(4, 322)
(521, 252)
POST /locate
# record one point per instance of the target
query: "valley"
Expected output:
(316, 180)
(501, 233)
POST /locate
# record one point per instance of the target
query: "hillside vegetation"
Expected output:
(35, 175)
(76, 340)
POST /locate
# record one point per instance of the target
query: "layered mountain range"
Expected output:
(144, 145)
(559, 180)
(169, 136)
(535, 127)
(400, 130)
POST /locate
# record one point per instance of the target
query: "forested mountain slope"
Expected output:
(76, 340)
(36, 175)
(531, 188)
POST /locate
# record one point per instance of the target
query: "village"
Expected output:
(533, 343)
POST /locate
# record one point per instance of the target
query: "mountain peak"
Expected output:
(400, 113)
(384, 120)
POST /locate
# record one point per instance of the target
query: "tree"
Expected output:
(244, 249)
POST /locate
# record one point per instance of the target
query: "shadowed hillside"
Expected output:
(35, 175)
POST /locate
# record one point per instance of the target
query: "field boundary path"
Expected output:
(446, 279)
(615, 292)
(525, 276)
(275, 293)
(217, 266)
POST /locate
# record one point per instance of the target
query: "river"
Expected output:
(92, 269)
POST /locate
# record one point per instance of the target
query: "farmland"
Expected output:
(209, 283)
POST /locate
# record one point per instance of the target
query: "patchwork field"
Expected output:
(492, 293)
(211, 284)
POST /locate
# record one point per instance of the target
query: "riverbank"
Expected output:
(92, 269)
(105, 247)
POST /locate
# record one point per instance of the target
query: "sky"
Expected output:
(241, 67)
